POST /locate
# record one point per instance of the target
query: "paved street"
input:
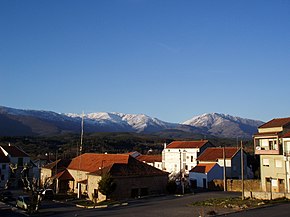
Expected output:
(167, 206)
(273, 211)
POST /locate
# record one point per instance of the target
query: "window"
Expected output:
(186, 167)
(278, 163)
(2, 177)
(266, 162)
(3, 166)
(191, 158)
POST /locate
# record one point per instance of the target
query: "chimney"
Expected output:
(165, 145)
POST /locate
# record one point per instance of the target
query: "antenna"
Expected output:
(82, 134)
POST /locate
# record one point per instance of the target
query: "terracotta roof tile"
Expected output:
(213, 154)
(187, 144)
(149, 158)
(91, 162)
(203, 168)
(277, 122)
(64, 175)
(286, 135)
(133, 167)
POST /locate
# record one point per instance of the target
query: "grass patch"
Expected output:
(238, 203)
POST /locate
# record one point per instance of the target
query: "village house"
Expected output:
(18, 159)
(57, 174)
(181, 156)
(230, 155)
(4, 169)
(203, 173)
(132, 177)
(272, 144)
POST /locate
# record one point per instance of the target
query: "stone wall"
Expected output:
(236, 185)
(262, 195)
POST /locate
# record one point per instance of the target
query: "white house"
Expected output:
(181, 156)
(4, 169)
(272, 144)
(17, 157)
(201, 174)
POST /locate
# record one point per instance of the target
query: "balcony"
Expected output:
(267, 146)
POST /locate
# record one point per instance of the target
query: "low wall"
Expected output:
(236, 185)
(266, 195)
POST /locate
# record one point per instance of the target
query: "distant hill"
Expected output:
(18, 122)
(222, 125)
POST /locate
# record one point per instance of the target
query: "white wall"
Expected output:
(176, 159)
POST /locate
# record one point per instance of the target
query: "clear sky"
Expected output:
(167, 59)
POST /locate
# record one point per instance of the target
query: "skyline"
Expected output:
(170, 60)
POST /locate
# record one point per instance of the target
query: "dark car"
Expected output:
(48, 194)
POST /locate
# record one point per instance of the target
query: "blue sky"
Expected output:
(167, 59)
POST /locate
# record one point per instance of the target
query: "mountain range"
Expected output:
(19, 122)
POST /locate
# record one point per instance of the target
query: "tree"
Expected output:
(107, 185)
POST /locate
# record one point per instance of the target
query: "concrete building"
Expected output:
(4, 169)
(18, 159)
(203, 173)
(272, 143)
(132, 177)
(181, 156)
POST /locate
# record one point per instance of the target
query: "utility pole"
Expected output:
(242, 170)
(225, 169)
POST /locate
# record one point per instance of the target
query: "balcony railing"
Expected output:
(265, 150)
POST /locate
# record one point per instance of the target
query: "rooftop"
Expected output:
(91, 162)
(149, 158)
(187, 144)
(277, 122)
(203, 168)
(213, 154)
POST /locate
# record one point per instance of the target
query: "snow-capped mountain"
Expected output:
(129, 122)
(225, 125)
(32, 122)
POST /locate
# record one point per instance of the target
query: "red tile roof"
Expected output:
(133, 167)
(14, 151)
(90, 162)
(203, 168)
(187, 144)
(277, 122)
(286, 135)
(149, 158)
(64, 175)
(213, 154)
